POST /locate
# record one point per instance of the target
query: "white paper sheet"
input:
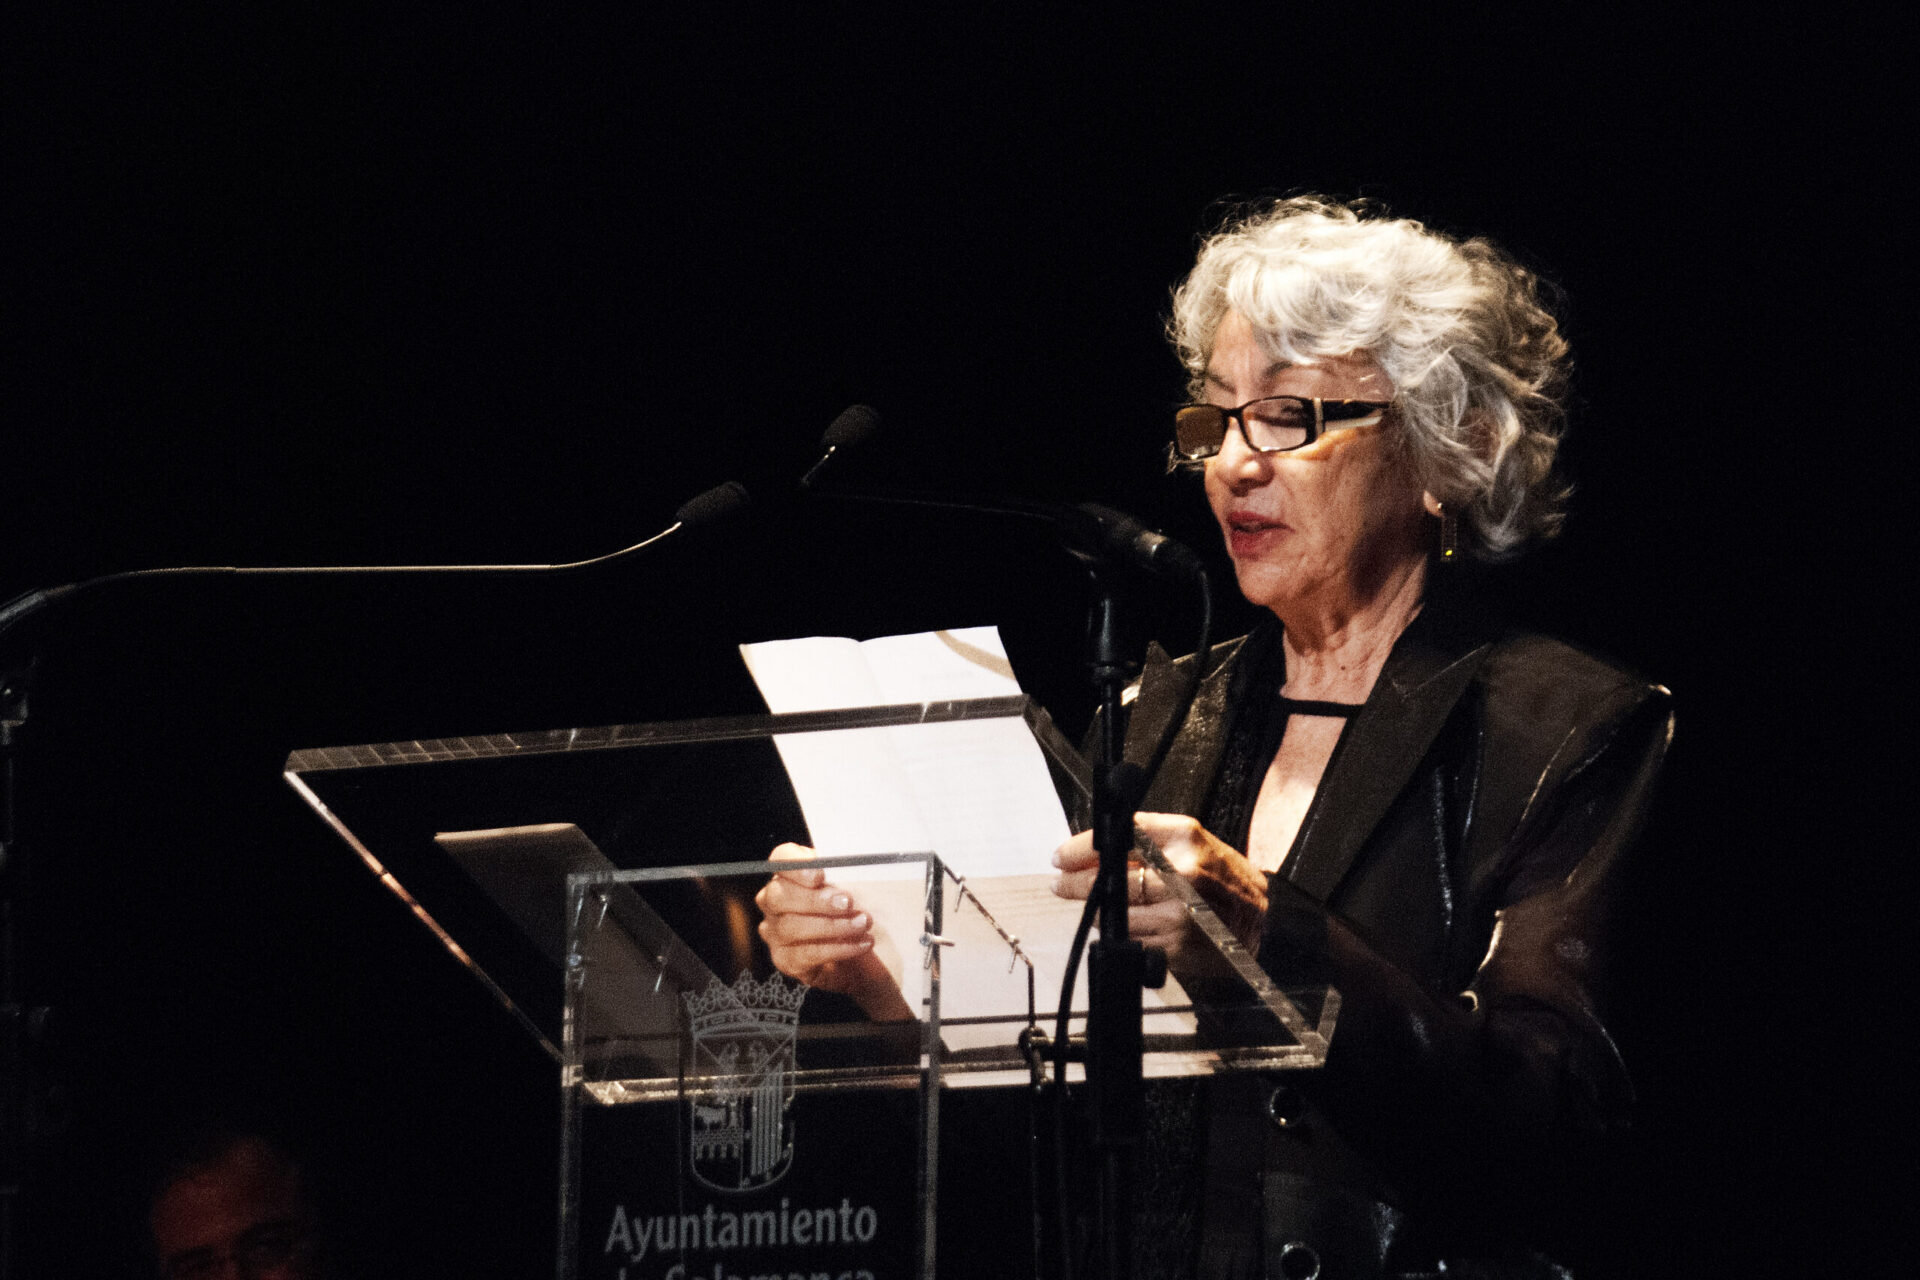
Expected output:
(976, 792)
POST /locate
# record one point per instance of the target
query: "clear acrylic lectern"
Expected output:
(720, 1118)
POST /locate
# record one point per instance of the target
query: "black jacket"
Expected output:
(1452, 879)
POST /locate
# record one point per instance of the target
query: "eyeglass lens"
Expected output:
(1282, 422)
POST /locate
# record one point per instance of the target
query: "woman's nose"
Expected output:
(1241, 464)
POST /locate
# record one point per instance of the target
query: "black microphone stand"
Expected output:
(21, 1096)
(1118, 966)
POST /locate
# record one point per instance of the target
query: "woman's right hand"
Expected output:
(1231, 885)
(819, 935)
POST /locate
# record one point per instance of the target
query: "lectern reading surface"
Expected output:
(717, 1114)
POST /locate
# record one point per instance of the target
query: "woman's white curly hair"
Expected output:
(1477, 362)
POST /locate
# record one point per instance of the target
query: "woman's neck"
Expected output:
(1335, 652)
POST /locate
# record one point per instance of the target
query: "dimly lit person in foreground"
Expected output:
(233, 1205)
(1377, 788)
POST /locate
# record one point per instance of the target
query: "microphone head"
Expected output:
(1101, 530)
(721, 502)
(855, 423)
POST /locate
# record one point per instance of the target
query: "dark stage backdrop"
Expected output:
(488, 284)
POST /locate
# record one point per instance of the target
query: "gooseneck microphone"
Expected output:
(718, 504)
(1089, 531)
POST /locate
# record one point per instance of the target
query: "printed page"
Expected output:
(854, 792)
(976, 792)
(982, 785)
(979, 792)
(940, 666)
(818, 673)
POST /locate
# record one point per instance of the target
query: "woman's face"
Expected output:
(1324, 526)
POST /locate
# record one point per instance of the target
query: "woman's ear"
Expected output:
(1431, 503)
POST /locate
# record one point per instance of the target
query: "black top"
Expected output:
(1472, 1078)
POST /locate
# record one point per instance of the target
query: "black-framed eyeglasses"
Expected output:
(1271, 424)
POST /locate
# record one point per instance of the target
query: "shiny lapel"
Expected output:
(1425, 675)
(1186, 777)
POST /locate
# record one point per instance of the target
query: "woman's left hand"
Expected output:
(1231, 885)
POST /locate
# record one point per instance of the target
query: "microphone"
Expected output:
(1094, 531)
(1089, 531)
(716, 505)
(855, 423)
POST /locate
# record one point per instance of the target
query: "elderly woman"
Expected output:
(1371, 787)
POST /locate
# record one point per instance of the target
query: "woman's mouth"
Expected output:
(1249, 533)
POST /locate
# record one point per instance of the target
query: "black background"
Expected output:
(285, 285)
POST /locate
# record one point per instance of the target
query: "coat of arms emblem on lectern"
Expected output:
(739, 1114)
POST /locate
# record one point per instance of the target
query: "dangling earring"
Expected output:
(1449, 528)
